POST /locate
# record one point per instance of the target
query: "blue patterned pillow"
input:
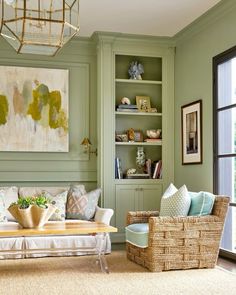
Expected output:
(58, 201)
(201, 203)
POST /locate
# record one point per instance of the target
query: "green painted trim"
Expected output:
(208, 18)
(37, 176)
(118, 37)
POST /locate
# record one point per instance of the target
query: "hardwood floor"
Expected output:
(227, 264)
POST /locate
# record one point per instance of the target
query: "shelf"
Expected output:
(138, 181)
(138, 114)
(138, 81)
(139, 143)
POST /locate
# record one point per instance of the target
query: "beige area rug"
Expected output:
(81, 276)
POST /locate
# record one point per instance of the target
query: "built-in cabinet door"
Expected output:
(135, 198)
(151, 197)
(126, 200)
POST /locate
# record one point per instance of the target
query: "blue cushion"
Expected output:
(137, 234)
(201, 203)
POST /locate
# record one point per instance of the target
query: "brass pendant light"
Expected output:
(38, 26)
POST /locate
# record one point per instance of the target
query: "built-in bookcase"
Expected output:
(114, 58)
(150, 86)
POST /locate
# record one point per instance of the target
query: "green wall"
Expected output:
(212, 34)
(22, 168)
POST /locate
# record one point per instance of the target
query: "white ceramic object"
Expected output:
(131, 171)
(33, 216)
(154, 133)
(125, 100)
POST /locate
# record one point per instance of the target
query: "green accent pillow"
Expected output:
(137, 234)
(201, 203)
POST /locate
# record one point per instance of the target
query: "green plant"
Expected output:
(42, 201)
(25, 202)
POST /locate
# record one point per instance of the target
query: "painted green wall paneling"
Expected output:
(196, 46)
(79, 56)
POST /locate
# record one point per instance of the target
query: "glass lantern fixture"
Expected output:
(38, 26)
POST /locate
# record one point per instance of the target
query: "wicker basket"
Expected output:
(33, 216)
(180, 242)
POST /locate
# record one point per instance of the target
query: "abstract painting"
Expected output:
(33, 109)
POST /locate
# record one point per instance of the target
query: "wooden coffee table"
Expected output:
(99, 230)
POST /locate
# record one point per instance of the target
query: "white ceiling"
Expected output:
(144, 17)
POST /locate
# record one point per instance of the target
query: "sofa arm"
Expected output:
(140, 216)
(103, 215)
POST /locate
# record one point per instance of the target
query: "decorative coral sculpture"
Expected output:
(136, 70)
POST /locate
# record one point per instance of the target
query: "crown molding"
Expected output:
(115, 36)
(208, 18)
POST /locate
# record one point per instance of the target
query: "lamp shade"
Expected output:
(38, 26)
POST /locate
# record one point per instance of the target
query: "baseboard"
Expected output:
(118, 238)
(227, 254)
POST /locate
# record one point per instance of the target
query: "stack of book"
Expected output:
(118, 170)
(152, 139)
(138, 176)
(132, 108)
(157, 173)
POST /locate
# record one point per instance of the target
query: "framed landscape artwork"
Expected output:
(33, 109)
(192, 133)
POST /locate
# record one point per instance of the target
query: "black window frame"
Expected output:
(217, 60)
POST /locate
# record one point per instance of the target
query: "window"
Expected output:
(224, 75)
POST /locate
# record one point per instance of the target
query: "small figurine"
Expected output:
(131, 134)
(135, 70)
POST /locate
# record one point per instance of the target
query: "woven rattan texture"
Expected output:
(180, 242)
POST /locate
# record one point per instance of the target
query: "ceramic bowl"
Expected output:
(154, 133)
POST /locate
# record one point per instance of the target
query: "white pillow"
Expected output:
(175, 202)
(170, 190)
(10, 195)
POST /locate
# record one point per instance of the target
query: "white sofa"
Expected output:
(49, 242)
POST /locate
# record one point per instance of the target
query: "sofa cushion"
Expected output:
(36, 191)
(175, 202)
(137, 234)
(82, 206)
(201, 203)
(103, 215)
(10, 195)
(58, 201)
(3, 217)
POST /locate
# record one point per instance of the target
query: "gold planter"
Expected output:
(33, 216)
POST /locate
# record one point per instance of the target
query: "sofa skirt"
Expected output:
(51, 242)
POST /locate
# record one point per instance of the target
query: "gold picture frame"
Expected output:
(143, 103)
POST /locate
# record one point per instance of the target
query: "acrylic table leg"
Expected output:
(100, 246)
